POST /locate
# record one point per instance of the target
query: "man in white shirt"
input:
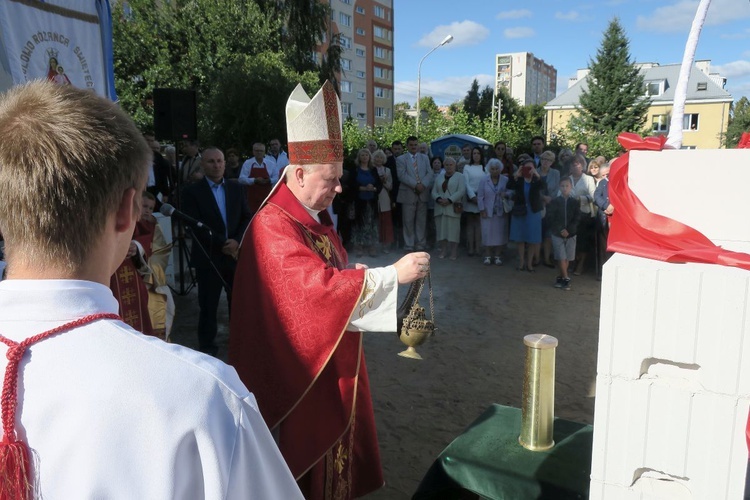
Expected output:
(100, 410)
(278, 156)
(259, 174)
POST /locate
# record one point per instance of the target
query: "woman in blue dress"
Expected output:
(526, 217)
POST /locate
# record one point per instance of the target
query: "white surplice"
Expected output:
(111, 413)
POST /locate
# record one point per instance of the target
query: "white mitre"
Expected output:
(314, 126)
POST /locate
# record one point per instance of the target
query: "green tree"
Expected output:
(471, 101)
(302, 23)
(614, 101)
(739, 122)
(215, 47)
(235, 116)
(486, 99)
(510, 108)
(331, 68)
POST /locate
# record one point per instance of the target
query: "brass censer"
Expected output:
(415, 327)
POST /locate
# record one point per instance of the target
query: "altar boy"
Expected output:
(92, 408)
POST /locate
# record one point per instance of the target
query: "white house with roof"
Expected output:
(706, 108)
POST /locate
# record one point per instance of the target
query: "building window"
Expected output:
(382, 112)
(347, 2)
(702, 86)
(346, 64)
(382, 92)
(346, 109)
(660, 123)
(690, 121)
(360, 52)
(361, 95)
(381, 53)
(654, 88)
(382, 73)
(345, 19)
(345, 41)
(360, 10)
(381, 32)
(360, 74)
(360, 31)
(379, 11)
(361, 116)
(346, 86)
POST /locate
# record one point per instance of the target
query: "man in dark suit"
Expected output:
(222, 207)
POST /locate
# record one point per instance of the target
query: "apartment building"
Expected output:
(528, 79)
(365, 29)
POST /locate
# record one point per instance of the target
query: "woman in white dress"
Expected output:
(448, 191)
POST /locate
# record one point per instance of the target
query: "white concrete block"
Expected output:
(651, 428)
(686, 321)
(647, 488)
(678, 190)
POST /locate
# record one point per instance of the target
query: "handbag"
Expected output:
(507, 205)
(458, 207)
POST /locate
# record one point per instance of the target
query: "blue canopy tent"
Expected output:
(450, 145)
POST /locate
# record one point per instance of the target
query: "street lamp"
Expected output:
(447, 39)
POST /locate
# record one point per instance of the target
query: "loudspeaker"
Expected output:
(175, 114)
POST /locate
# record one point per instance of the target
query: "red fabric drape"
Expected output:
(636, 231)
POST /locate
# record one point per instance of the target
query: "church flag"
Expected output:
(68, 42)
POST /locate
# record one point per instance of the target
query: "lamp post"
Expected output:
(447, 39)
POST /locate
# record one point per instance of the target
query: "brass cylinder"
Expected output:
(538, 410)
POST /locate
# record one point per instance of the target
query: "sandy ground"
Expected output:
(476, 357)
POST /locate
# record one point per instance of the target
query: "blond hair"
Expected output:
(379, 154)
(66, 158)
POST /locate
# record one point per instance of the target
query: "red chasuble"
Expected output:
(128, 286)
(292, 300)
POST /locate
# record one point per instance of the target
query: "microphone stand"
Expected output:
(182, 250)
(203, 250)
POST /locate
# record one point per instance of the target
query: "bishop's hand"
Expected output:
(412, 266)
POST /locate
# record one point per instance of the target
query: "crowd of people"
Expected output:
(482, 200)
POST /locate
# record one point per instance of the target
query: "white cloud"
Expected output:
(464, 33)
(514, 14)
(445, 91)
(736, 36)
(679, 16)
(519, 32)
(567, 16)
(734, 69)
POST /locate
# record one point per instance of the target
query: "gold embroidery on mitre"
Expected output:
(322, 151)
(332, 107)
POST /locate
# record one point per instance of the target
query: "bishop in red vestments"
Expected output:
(300, 310)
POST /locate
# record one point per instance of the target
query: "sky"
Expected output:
(564, 33)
